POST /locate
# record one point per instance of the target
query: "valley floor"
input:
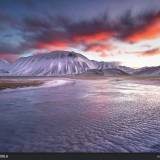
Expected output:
(80, 114)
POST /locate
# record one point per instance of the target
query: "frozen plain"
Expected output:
(97, 115)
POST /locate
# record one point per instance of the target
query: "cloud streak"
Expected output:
(151, 52)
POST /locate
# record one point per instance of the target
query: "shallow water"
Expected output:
(108, 115)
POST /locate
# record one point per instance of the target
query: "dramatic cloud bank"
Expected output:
(32, 27)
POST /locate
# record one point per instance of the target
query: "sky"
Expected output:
(124, 31)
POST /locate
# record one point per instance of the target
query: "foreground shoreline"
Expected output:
(13, 84)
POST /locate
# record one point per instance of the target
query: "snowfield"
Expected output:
(104, 115)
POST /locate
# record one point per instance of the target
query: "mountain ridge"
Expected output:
(58, 63)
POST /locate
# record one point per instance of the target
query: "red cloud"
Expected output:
(98, 47)
(151, 52)
(91, 38)
(8, 56)
(150, 31)
(103, 55)
(53, 45)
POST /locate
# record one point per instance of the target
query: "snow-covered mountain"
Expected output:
(59, 63)
(4, 67)
(114, 65)
(51, 64)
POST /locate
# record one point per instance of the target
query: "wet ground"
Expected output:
(96, 115)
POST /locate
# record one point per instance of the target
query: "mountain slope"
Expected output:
(148, 71)
(105, 72)
(114, 65)
(114, 71)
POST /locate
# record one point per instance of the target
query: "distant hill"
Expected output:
(148, 71)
